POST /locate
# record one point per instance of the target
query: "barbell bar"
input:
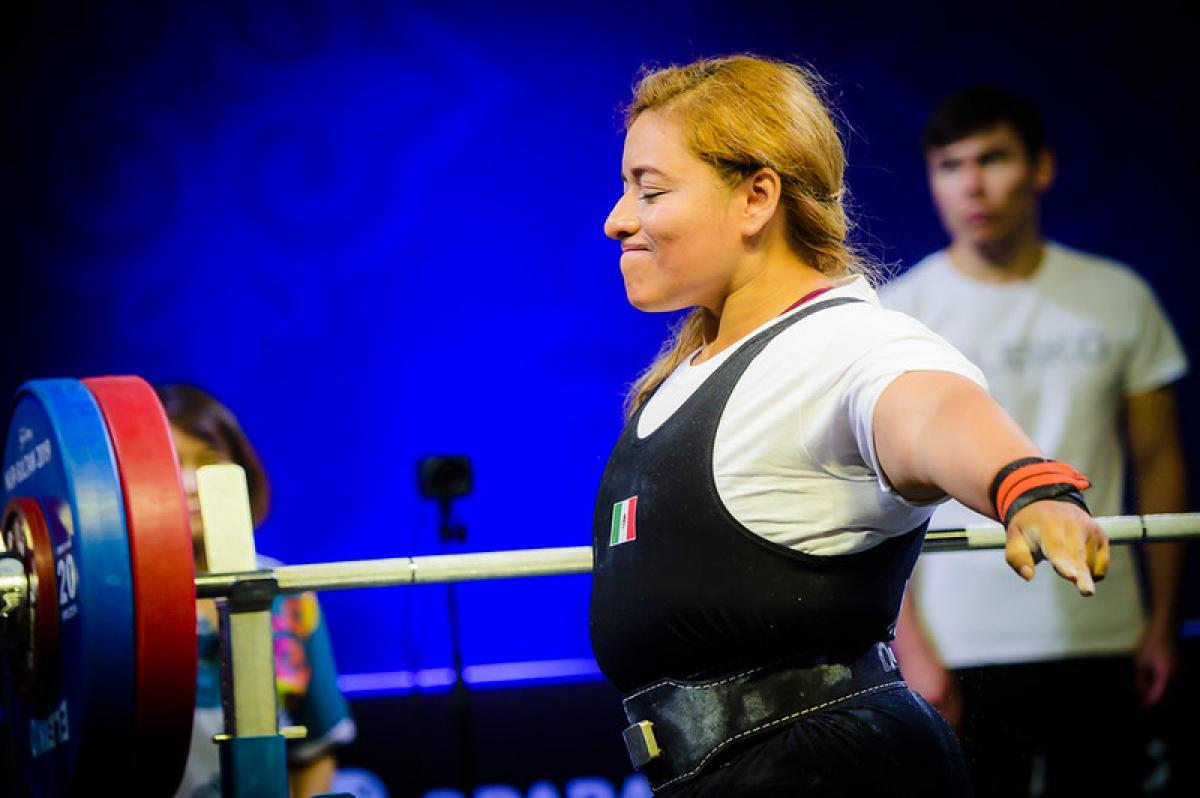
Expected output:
(98, 590)
(444, 568)
(447, 568)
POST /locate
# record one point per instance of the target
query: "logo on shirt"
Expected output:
(1088, 348)
(624, 521)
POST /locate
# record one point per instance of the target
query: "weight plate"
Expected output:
(164, 586)
(57, 451)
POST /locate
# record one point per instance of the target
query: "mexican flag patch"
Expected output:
(624, 521)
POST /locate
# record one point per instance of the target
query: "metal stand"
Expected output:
(445, 483)
(253, 751)
(460, 697)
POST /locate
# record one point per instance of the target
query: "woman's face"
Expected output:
(193, 453)
(675, 220)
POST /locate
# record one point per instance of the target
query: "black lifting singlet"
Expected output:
(694, 592)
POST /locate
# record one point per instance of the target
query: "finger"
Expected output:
(1094, 545)
(1018, 553)
(1100, 557)
(1084, 581)
(1059, 552)
(1079, 537)
(1073, 571)
(1066, 549)
(1070, 560)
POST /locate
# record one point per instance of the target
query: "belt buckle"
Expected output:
(641, 743)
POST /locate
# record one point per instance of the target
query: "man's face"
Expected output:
(986, 186)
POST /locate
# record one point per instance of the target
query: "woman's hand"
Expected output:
(1062, 533)
(923, 669)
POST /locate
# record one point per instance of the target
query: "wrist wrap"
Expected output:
(1031, 479)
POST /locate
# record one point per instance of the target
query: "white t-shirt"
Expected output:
(794, 457)
(1061, 351)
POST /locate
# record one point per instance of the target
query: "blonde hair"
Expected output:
(739, 114)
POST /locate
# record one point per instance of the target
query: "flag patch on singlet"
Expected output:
(624, 521)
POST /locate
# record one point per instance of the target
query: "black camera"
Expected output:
(444, 478)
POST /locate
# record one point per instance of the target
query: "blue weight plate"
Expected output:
(57, 451)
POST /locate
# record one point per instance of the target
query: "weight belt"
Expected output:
(677, 727)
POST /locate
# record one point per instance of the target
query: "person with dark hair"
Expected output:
(207, 433)
(982, 107)
(1078, 350)
(762, 509)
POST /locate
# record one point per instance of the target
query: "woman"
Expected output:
(207, 433)
(765, 503)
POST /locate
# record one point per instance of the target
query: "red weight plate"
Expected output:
(35, 667)
(163, 566)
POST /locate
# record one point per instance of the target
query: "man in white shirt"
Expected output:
(1078, 350)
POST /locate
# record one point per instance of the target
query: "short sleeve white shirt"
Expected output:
(794, 457)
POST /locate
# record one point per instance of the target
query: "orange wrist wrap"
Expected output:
(1031, 479)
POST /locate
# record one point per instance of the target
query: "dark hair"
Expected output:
(978, 107)
(201, 415)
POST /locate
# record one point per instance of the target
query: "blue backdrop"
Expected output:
(374, 229)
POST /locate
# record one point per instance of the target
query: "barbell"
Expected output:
(98, 592)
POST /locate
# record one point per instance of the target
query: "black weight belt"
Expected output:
(678, 727)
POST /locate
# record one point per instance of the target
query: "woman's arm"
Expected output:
(937, 432)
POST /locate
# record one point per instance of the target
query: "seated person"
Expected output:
(207, 433)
